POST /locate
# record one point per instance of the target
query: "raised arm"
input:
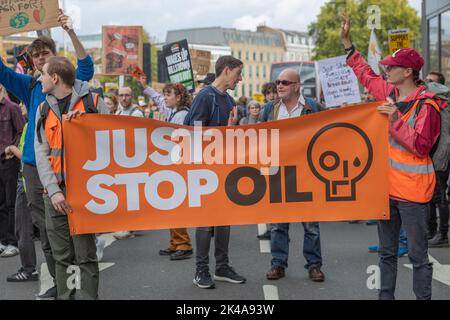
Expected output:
(375, 83)
(156, 97)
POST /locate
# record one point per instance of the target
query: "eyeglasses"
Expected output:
(285, 83)
(390, 68)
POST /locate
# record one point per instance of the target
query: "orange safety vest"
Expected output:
(411, 178)
(54, 135)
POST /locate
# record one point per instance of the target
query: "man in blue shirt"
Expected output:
(215, 107)
(28, 89)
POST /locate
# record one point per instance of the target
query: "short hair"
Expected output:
(41, 43)
(253, 103)
(62, 67)
(269, 87)
(227, 61)
(242, 101)
(441, 77)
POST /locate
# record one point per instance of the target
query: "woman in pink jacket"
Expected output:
(414, 117)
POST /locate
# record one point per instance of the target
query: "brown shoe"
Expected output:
(275, 273)
(316, 275)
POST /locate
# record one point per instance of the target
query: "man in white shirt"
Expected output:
(126, 101)
(293, 104)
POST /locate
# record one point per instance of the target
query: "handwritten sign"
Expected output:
(122, 49)
(201, 62)
(18, 16)
(339, 82)
(399, 39)
(178, 61)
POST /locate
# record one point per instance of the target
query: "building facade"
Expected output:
(258, 50)
(436, 36)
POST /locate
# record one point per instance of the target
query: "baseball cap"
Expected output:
(408, 58)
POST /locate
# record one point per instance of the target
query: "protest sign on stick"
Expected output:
(179, 66)
(339, 82)
(17, 16)
(122, 49)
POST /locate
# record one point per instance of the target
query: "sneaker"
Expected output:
(50, 294)
(431, 234)
(227, 274)
(203, 280)
(439, 241)
(166, 252)
(181, 255)
(264, 236)
(9, 252)
(373, 249)
(124, 235)
(22, 276)
(100, 244)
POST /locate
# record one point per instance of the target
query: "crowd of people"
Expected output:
(32, 173)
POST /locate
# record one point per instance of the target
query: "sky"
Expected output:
(159, 16)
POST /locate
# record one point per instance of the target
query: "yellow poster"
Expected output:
(399, 39)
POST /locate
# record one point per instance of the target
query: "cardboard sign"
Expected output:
(339, 82)
(142, 174)
(178, 62)
(122, 50)
(17, 16)
(201, 62)
(399, 39)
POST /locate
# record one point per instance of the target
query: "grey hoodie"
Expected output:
(46, 174)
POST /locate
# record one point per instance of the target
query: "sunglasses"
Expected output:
(285, 83)
(390, 68)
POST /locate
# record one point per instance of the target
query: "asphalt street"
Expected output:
(135, 271)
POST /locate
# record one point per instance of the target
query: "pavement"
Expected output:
(133, 269)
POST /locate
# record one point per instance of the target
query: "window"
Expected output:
(445, 42)
(250, 71)
(257, 71)
(433, 35)
(240, 55)
(250, 86)
(268, 57)
(243, 72)
(243, 90)
(247, 55)
(265, 72)
(261, 57)
(258, 88)
(254, 56)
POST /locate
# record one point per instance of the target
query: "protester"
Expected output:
(65, 96)
(175, 105)
(112, 103)
(126, 102)
(436, 77)
(29, 91)
(253, 113)
(413, 133)
(293, 104)
(215, 107)
(11, 126)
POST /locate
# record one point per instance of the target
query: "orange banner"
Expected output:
(140, 174)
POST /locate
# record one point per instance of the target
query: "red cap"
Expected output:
(408, 58)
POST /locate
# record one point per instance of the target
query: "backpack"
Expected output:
(89, 105)
(441, 150)
(270, 105)
(132, 111)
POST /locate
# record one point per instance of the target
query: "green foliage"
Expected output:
(394, 14)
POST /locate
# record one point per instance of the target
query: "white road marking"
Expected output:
(264, 246)
(271, 293)
(441, 272)
(262, 228)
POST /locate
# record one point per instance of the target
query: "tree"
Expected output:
(394, 14)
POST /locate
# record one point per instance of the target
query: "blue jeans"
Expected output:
(413, 217)
(279, 244)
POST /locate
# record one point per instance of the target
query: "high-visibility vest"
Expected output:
(411, 178)
(54, 133)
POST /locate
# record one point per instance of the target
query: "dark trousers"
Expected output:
(9, 169)
(440, 202)
(24, 229)
(35, 192)
(413, 216)
(70, 251)
(203, 243)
